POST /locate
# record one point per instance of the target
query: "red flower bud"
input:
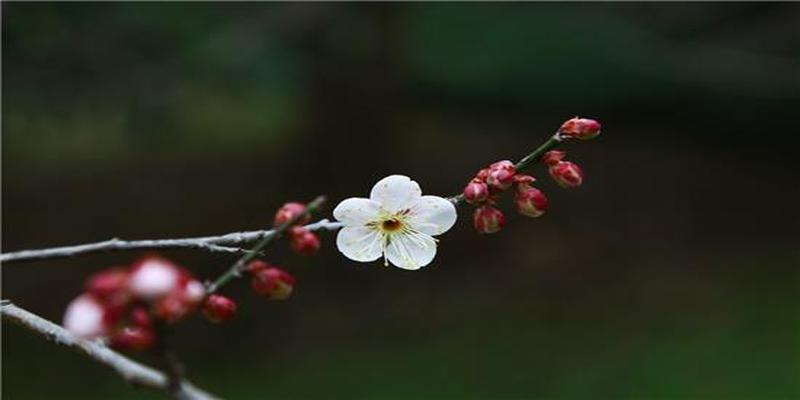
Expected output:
(501, 175)
(273, 283)
(218, 308)
(141, 317)
(580, 128)
(108, 284)
(552, 157)
(482, 175)
(257, 265)
(530, 201)
(567, 174)
(302, 241)
(171, 308)
(133, 338)
(289, 211)
(523, 180)
(476, 192)
(488, 219)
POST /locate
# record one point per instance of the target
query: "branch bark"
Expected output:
(227, 243)
(132, 371)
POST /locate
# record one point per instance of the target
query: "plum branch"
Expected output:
(132, 371)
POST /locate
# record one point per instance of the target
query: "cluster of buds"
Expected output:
(123, 304)
(484, 189)
(270, 281)
(487, 185)
(566, 173)
(301, 240)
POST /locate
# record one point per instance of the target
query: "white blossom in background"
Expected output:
(84, 317)
(153, 278)
(397, 223)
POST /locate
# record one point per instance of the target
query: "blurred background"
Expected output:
(673, 272)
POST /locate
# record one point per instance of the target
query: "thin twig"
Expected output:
(238, 267)
(523, 163)
(227, 243)
(130, 370)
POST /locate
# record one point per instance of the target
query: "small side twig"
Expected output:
(132, 371)
(238, 267)
(523, 163)
(227, 243)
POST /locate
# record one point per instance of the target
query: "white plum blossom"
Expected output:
(396, 222)
(84, 317)
(153, 278)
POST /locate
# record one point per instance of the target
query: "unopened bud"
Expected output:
(273, 283)
(552, 157)
(108, 283)
(501, 175)
(133, 338)
(218, 308)
(488, 219)
(257, 265)
(567, 174)
(523, 180)
(530, 201)
(476, 192)
(141, 317)
(302, 241)
(171, 308)
(289, 211)
(580, 128)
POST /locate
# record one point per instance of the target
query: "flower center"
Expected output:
(391, 225)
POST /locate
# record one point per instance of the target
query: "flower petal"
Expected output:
(395, 193)
(360, 243)
(433, 215)
(356, 211)
(411, 251)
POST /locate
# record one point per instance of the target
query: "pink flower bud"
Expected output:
(85, 317)
(289, 211)
(273, 283)
(153, 278)
(552, 157)
(501, 175)
(476, 192)
(133, 338)
(218, 308)
(302, 241)
(488, 219)
(580, 128)
(530, 201)
(567, 174)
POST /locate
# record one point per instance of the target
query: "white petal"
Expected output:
(395, 193)
(356, 211)
(411, 252)
(360, 243)
(433, 215)
(84, 317)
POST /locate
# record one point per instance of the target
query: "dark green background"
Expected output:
(671, 273)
